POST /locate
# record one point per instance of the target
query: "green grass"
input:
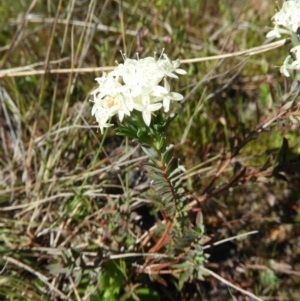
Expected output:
(69, 196)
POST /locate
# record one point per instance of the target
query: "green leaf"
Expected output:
(147, 295)
(180, 190)
(184, 277)
(186, 241)
(163, 190)
(56, 269)
(168, 198)
(169, 209)
(281, 160)
(150, 151)
(172, 166)
(158, 177)
(161, 142)
(177, 185)
(151, 167)
(168, 155)
(140, 133)
(175, 172)
(158, 186)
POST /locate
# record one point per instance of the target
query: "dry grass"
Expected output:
(70, 197)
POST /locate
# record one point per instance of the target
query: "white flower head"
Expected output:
(146, 106)
(169, 67)
(284, 68)
(292, 61)
(286, 20)
(170, 96)
(137, 84)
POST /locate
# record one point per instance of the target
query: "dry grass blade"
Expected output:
(76, 208)
(209, 272)
(37, 274)
(248, 52)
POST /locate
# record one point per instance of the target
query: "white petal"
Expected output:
(181, 71)
(284, 67)
(176, 96)
(273, 33)
(154, 107)
(147, 117)
(166, 104)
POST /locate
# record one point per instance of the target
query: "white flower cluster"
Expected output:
(137, 84)
(287, 20)
(294, 65)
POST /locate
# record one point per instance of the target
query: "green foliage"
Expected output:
(268, 278)
(154, 135)
(112, 279)
(165, 174)
(87, 216)
(281, 160)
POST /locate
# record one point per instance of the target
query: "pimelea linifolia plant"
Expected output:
(287, 22)
(138, 91)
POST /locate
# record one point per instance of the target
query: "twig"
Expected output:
(205, 270)
(37, 274)
(249, 52)
(229, 239)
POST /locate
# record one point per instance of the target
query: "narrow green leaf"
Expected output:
(281, 156)
(184, 277)
(163, 190)
(167, 199)
(158, 185)
(152, 168)
(149, 151)
(168, 154)
(158, 177)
